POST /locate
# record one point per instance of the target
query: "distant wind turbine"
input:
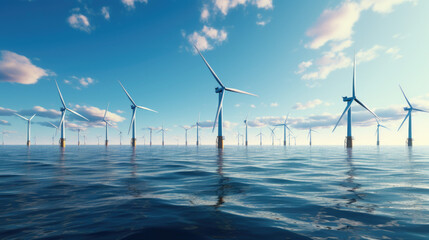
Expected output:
(28, 126)
(186, 134)
(410, 109)
(53, 135)
(309, 134)
(98, 138)
(246, 123)
(378, 132)
(134, 107)
(64, 109)
(350, 100)
(120, 138)
(285, 126)
(220, 90)
(78, 136)
(162, 130)
(273, 134)
(150, 135)
(198, 130)
(260, 137)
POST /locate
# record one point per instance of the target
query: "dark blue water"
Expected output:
(171, 192)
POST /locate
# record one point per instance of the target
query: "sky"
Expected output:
(297, 56)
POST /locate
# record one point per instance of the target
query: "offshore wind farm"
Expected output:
(319, 142)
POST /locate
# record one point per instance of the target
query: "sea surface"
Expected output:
(177, 192)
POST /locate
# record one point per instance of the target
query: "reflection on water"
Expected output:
(258, 192)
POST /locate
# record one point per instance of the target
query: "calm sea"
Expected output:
(171, 192)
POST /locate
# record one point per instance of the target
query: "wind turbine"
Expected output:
(186, 134)
(284, 130)
(150, 136)
(63, 110)
(134, 107)
(120, 138)
(246, 123)
(221, 91)
(78, 136)
(53, 135)
(272, 134)
(309, 134)
(378, 132)
(163, 130)
(98, 138)
(260, 137)
(84, 139)
(28, 126)
(294, 138)
(410, 109)
(198, 129)
(238, 138)
(107, 124)
(144, 140)
(348, 109)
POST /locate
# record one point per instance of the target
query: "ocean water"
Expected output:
(175, 192)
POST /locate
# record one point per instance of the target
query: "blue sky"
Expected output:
(297, 56)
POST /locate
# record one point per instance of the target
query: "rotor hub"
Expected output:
(218, 90)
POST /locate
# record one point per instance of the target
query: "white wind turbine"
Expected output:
(186, 134)
(64, 109)
(309, 134)
(28, 126)
(260, 137)
(134, 107)
(53, 135)
(273, 134)
(163, 130)
(285, 126)
(246, 123)
(107, 124)
(221, 91)
(378, 132)
(198, 130)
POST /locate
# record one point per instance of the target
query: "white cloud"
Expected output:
(329, 62)
(105, 12)
(225, 5)
(209, 124)
(95, 114)
(237, 105)
(394, 52)
(274, 104)
(86, 81)
(119, 111)
(79, 21)
(252, 106)
(131, 3)
(368, 55)
(337, 24)
(6, 111)
(310, 104)
(4, 123)
(201, 39)
(303, 66)
(19, 69)
(205, 14)
(41, 112)
(263, 23)
(339, 46)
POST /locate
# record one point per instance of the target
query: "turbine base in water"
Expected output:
(284, 143)
(133, 142)
(106, 142)
(247, 143)
(28, 143)
(62, 142)
(219, 142)
(409, 142)
(349, 142)
(378, 143)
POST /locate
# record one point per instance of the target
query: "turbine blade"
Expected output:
(132, 120)
(219, 108)
(363, 105)
(354, 76)
(345, 110)
(128, 95)
(105, 113)
(61, 96)
(26, 119)
(62, 119)
(145, 108)
(210, 68)
(385, 127)
(52, 125)
(409, 104)
(239, 91)
(75, 113)
(32, 117)
(408, 114)
(419, 110)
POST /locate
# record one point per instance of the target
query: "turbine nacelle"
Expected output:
(407, 109)
(348, 99)
(219, 89)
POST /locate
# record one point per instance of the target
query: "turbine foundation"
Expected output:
(378, 143)
(28, 143)
(133, 142)
(106, 142)
(247, 143)
(409, 142)
(219, 142)
(62, 142)
(349, 142)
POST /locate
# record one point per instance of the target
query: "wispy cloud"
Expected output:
(207, 37)
(95, 114)
(205, 14)
(131, 3)
(41, 112)
(79, 21)
(310, 104)
(4, 123)
(16, 68)
(274, 104)
(394, 52)
(225, 5)
(105, 12)
(79, 82)
(6, 111)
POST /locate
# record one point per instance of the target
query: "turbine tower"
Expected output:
(134, 107)
(409, 109)
(98, 138)
(62, 125)
(260, 137)
(309, 134)
(378, 132)
(78, 136)
(198, 130)
(246, 122)
(120, 138)
(272, 134)
(186, 134)
(221, 91)
(284, 130)
(28, 126)
(350, 100)
(162, 130)
(53, 135)
(107, 124)
(150, 135)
